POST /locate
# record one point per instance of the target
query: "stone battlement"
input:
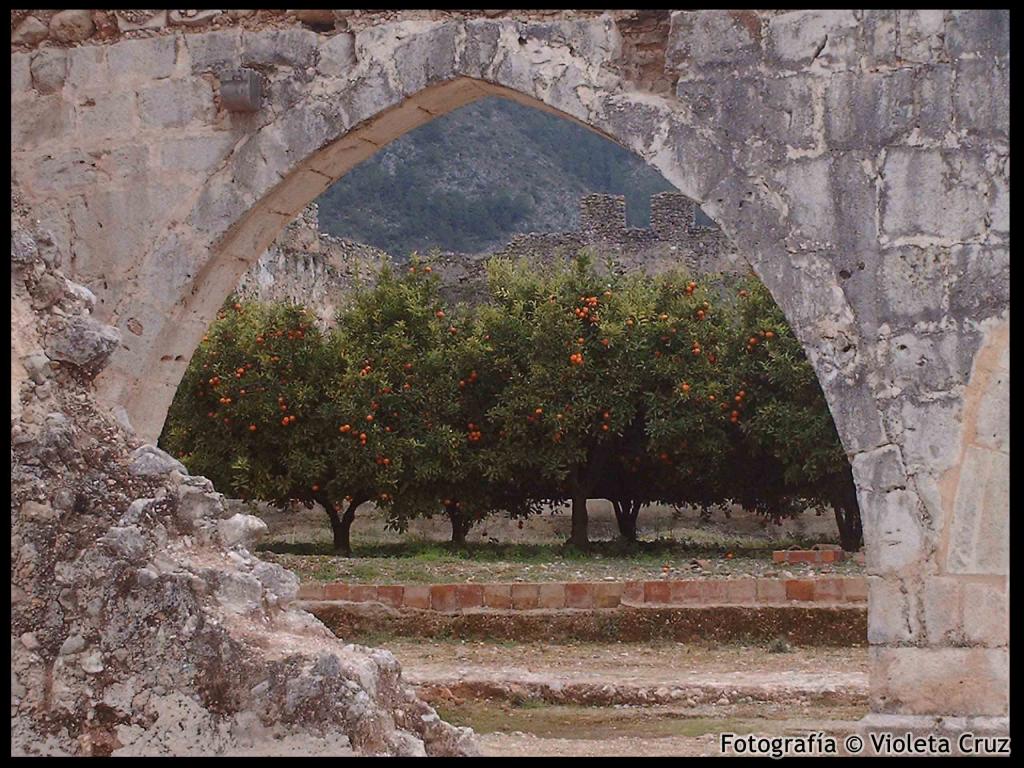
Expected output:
(315, 268)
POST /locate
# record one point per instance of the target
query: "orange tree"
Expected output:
(434, 382)
(788, 455)
(569, 349)
(272, 409)
(684, 423)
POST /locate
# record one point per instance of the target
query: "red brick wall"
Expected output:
(560, 595)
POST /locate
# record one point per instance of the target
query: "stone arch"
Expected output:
(858, 160)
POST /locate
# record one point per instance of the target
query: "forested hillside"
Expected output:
(469, 180)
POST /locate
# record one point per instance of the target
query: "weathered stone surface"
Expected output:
(799, 37)
(337, 55)
(979, 538)
(192, 18)
(49, 68)
(40, 121)
(30, 31)
(71, 26)
(708, 38)
(148, 461)
(84, 342)
(958, 681)
(851, 157)
(241, 529)
(929, 193)
(176, 103)
(104, 116)
(292, 47)
(148, 59)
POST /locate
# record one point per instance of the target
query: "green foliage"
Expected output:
(571, 382)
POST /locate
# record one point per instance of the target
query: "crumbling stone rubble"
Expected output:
(140, 623)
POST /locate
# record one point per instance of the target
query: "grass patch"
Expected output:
(557, 721)
(651, 552)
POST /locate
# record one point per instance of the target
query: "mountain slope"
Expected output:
(469, 180)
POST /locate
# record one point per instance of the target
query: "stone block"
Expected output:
(855, 589)
(469, 595)
(608, 594)
(38, 121)
(771, 591)
(87, 69)
(798, 38)
(196, 154)
(443, 597)
(105, 116)
(657, 592)
(551, 595)
(311, 591)
(828, 590)
(686, 592)
(416, 596)
(633, 593)
(337, 55)
(799, 589)
(741, 591)
(150, 58)
(362, 593)
(992, 427)
(922, 35)
(176, 103)
(497, 596)
(978, 33)
(291, 47)
(939, 681)
(712, 38)
(981, 98)
(932, 193)
(981, 287)
(336, 590)
(71, 26)
(579, 595)
(49, 69)
(979, 540)
(868, 109)
(942, 598)
(215, 52)
(29, 32)
(914, 283)
(524, 596)
(714, 591)
(21, 74)
(891, 616)
(986, 613)
(892, 528)
(391, 594)
(65, 172)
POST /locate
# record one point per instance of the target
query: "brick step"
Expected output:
(454, 598)
(806, 624)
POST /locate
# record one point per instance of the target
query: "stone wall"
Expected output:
(857, 159)
(140, 622)
(307, 266)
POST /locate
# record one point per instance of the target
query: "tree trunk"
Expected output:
(341, 525)
(847, 511)
(578, 537)
(460, 526)
(626, 511)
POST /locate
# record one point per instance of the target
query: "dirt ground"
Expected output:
(532, 698)
(725, 526)
(300, 540)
